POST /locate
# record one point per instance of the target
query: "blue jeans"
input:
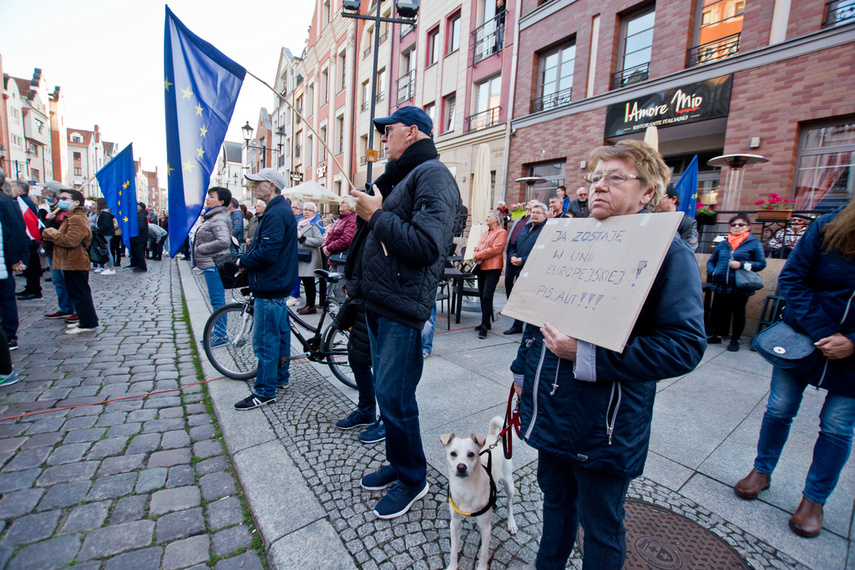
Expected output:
(217, 294)
(63, 299)
(396, 356)
(427, 331)
(573, 494)
(271, 341)
(366, 405)
(836, 424)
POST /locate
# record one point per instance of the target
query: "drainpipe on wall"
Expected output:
(508, 123)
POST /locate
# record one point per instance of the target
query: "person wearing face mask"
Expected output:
(71, 241)
(52, 217)
(740, 250)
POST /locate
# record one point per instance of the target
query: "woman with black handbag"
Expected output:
(104, 232)
(740, 251)
(309, 242)
(818, 283)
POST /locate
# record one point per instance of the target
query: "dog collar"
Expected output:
(490, 503)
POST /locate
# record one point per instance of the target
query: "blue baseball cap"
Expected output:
(409, 116)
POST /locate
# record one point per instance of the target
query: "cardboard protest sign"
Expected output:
(590, 278)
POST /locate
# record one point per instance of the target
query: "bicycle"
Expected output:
(227, 338)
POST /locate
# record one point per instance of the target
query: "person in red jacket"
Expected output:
(340, 234)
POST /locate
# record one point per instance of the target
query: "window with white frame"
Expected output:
(826, 166)
(17, 142)
(453, 43)
(339, 129)
(430, 109)
(16, 115)
(487, 99)
(637, 47)
(449, 103)
(555, 78)
(342, 72)
(433, 46)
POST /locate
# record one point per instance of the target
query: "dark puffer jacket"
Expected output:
(272, 257)
(750, 250)
(820, 291)
(405, 251)
(603, 423)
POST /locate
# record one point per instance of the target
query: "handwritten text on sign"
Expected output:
(590, 278)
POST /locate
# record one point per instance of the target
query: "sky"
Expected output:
(107, 56)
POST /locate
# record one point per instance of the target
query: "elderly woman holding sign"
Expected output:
(587, 409)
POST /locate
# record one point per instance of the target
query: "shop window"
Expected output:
(826, 166)
(554, 78)
(718, 31)
(636, 48)
(552, 173)
(433, 46)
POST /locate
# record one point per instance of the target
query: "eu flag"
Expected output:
(120, 191)
(687, 188)
(201, 88)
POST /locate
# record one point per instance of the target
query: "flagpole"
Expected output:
(320, 140)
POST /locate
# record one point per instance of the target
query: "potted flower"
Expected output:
(774, 208)
(705, 215)
(517, 210)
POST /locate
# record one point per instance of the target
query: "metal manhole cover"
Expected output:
(658, 539)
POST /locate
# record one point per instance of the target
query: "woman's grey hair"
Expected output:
(494, 213)
(350, 201)
(310, 206)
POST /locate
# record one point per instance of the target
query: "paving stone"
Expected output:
(246, 561)
(46, 425)
(160, 426)
(68, 453)
(183, 553)
(86, 517)
(170, 413)
(144, 559)
(18, 480)
(202, 432)
(121, 464)
(211, 465)
(124, 429)
(115, 539)
(185, 523)
(112, 486)
(80, 423)
(181, 476)
(207, 448)
(142, 415)
(53, 553)
(174, 439)
(82, 471)
(27, 459)
(151, 479)
(64, 495)
(224, 512)
(169, 458)
(91, 434)
(31, 528)
(129, 509)
(198, 420)
(43, 440)
(216, 485)
(11, 444)
(174, 500)
(109, 447)
(19, 503)
(144, 443)
(230, 539)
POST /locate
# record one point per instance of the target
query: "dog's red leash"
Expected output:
(512, 418)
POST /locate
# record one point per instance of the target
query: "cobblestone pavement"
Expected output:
(332, 463)
(139, 482)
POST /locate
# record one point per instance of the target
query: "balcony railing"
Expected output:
(366, 52)
(407, 29)
(713, 51)
(551, 101)
(488, 39)
(407, 86)
(383, 37)
(631, 75)
(365, 104)
(362, 160)
(380, 96)
(482, 120)
(838, 12)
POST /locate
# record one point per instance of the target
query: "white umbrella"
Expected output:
(651, 137)
(311, 191)
(480, 194)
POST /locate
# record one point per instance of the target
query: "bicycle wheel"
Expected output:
(228, 341)
(335, 347)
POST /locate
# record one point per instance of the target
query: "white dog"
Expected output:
(473, 490)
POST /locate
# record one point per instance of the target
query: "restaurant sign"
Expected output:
(687, 104)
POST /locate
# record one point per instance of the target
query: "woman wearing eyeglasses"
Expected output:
(740, 250)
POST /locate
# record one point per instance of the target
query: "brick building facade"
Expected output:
(783, 70)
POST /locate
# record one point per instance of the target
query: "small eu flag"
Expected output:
(201, 88)
(120, 191)
(687, 188)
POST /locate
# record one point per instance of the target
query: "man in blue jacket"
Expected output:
(410, 218)
(272, 265)
(518, 252)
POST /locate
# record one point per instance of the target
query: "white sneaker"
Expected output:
(98, 269)
(78, 330)
(293, 301)
(108, 272)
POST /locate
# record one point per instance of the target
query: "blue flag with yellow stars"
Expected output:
(687, 189)
(201, 88)
(120, 191)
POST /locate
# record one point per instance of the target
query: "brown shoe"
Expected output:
(751, 486)
(307, 311)
(807, 521)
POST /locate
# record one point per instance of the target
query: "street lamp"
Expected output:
(407, 9)
(247, 133)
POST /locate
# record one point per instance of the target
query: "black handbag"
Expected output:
(98, 249)
(304, 255)
(232, 276)
(748, 280)
(783, 346)
(339, 258)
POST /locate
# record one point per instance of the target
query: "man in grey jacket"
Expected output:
(410, 218)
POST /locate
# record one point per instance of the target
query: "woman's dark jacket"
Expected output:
(750, 250)
(819, 288)
(525, 241)
(404, 253)
(272, 257)
(104, 225)
(603, 423)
